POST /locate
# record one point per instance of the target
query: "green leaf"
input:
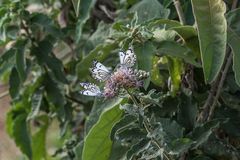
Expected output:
(145, 54)
(36, 99)
(180, 145)
(156, 77)
(14, 82)
(163, 35)
(177, 50)
(98, 143)
(20, 59)
(233, 38)
(137, 148)
(12, 31)
(76, 6)
(21, 135)
(55, 96)
(219, 149)
(98, 107)
(186, 32)
(187, 112)
(175, 68)
(212, 32)
(7, 61)
(56, 66)
(232, 123)
(149, 9)
(100, 53)
(45, 57)
(84, 14)
(118, 151)
(121, 124)
(189, 35)
(7, 56)
(167, 23)
(78, 150)
(39, 139)
(40, 19)
(201, 134)
(172, 130)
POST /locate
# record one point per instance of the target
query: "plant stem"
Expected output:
(73, 99)
(234, 4)
(146, 125)
(179, 11)
(220, 85)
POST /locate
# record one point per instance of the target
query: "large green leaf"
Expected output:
(98, 107)
(149, 9)
(98, 143)
(212, 32)
(234, 40)
(85, 7)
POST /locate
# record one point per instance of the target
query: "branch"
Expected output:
(220, 85)
(73, 99)
(179, 11)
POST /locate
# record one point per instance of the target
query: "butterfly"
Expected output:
(127, 58)
(99, 71)
(90, 89)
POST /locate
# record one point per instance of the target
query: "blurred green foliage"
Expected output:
(48, 47)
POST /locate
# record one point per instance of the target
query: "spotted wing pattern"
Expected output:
(90, 89)
(99, 71)
(127, 58)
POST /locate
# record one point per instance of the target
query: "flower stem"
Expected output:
(146, 125)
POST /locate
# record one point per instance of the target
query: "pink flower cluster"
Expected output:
(123, 77)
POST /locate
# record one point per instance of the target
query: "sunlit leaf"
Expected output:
(175, 67)
(39, 139)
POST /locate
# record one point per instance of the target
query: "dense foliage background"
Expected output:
(188, 109)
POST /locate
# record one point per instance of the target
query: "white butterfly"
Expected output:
(127, 58)
(90, 89)
(99, 71)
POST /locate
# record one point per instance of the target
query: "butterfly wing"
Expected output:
(127, 58)
(99, 71)
(90, 89)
